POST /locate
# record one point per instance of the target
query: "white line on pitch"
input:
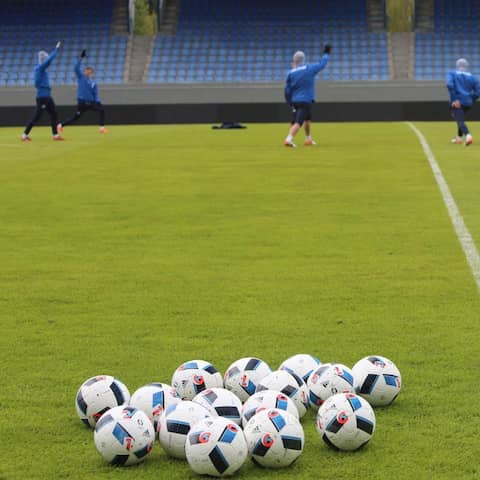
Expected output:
(464, 236)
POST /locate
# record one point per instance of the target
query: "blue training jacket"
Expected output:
(40, 75)
(300, 83)
(87, 88)
(463, 86)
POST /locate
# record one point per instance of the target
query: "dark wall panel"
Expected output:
(248, 113)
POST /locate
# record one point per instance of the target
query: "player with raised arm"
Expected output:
(300, 93)
(87, 95)
(44, 99)
(464, 89)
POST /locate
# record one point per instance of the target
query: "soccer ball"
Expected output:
(329, 379)
(124, 436)
(194, 377)
(242, 376)
(275, 438)
(346, 421)
(267, 399)
(290, 385)
(216, 447)
(220, 403)
(174, 425)
(97, 395)
(302, 364)
(377, 379)
(153, 399)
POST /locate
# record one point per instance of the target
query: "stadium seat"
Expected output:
(456, 30)
(218, 41)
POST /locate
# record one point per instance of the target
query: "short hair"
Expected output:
(42, 56)
(462, 65)
(299, 58)
(89, 68)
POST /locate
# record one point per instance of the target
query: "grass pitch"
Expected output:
(131, 253)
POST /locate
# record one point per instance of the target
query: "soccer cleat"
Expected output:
(289, 144)
(58, 138)
(26, 139)
(103, 130)
(456, 140)
(468, 140)
(59, 128)
(309, 142)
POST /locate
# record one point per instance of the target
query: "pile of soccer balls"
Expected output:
(216, 424)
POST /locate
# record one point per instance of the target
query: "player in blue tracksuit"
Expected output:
(44, 99)
(300, 93)
(87, 95)
(464, 89)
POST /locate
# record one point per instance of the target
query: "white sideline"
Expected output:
(463, 234)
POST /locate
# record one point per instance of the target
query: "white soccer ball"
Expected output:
(97, 395)
(267, 399)
(220, 403)
(216, 447)
(346, 421)
(301, 364)
(194, 377)
(124, 436)
(175, 423)
(275, 438)
(290, 385)
(377, 379)
(153, 399)
(243, 376)
(327, 380)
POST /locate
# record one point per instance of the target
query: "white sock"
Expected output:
(56, 135)
(289, 138)
(308, 137)
(24, 135)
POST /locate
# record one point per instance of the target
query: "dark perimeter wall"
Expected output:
(337, 102)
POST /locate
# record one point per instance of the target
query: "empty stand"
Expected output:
(250, 41)
(456, 32)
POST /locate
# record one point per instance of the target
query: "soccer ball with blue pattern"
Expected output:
(377, 379)
(267, 399)
(97, 395)
(175, 423)
(329, 379)
(301, 364)
(290, 385)
(124, 436)
(216, 447)
(275, 438)
(346, 421)
(221, 403)
(195, 376)
(243, 376)
(153, 399)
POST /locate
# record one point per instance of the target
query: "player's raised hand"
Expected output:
(327, 49)
(59, 44)
(83, 54)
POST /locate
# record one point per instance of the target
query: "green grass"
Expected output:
(131, 253)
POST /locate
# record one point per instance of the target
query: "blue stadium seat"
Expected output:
(227, 41)
(456, 32)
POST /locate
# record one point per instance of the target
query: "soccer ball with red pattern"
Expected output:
(124, 436)
(97, 395)
(216, 447)
(195, 376)
(346, 421)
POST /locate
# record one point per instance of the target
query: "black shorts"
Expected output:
(301, 112)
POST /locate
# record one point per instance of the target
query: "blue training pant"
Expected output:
(458, 114)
